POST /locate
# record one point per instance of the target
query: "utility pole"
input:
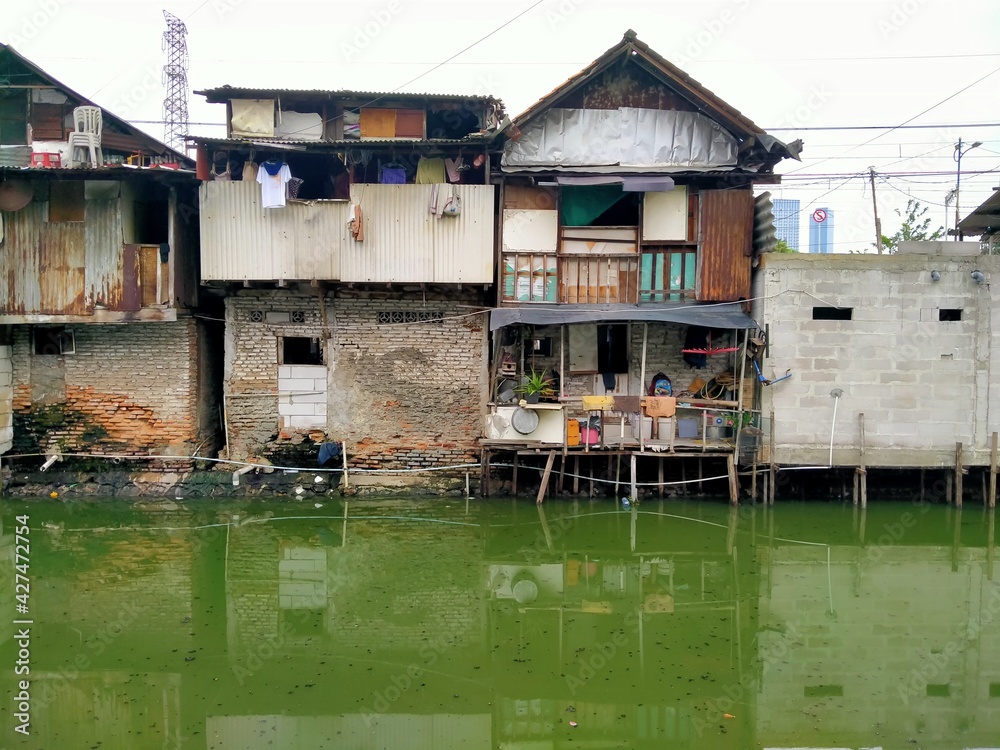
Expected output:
(958, 178)
(878, 222)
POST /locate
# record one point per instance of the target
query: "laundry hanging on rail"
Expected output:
(273, 177)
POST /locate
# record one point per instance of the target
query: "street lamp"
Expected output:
(959, 151)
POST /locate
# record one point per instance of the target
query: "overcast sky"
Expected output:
(795, 64)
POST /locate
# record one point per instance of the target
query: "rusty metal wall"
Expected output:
(61, 268)
(404, 242)
(726, 221)
(310, 240)
(242, 241)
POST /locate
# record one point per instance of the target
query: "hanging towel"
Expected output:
(249, 172)
(598, 403)
(627, 404)
(430, 171)
(356, 222)
(454, 169)
(661, 406)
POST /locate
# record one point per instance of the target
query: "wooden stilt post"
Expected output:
(949, 480)
(562, 471)
(753, 478)
(772, 469)
(993, 471)
(863, 470)
(734, 482)
(545, 477)
(618, 472)
(659, 475)
(513, 478)
(576, 476)
(958, 475)
(484, 473)
(923, 484)
(642, 393)
(590, 492)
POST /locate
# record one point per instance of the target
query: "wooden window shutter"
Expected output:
(726, 218)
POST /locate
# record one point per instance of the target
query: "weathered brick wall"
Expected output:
(663, 354)
(251, 371)
(407, 395)
(128, 388)
(402, 395)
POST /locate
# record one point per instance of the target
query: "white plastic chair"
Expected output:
(87, 123)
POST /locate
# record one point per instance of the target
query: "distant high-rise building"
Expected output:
(821, 230)
(786, 221)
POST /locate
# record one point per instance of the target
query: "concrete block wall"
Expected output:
(923, 384)
(128, 388)
(904, 618)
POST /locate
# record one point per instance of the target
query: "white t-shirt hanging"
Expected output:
(272, 186)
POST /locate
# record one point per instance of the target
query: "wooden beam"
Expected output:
(545, 477)
(734, 482)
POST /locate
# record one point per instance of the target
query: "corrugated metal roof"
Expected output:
(115, 171)
(985, 217)
(472, 140)
(110, 117)
(224, 93)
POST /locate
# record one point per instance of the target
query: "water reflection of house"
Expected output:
(627, 203)
(99, 232)
(880, 642)
(611, 631)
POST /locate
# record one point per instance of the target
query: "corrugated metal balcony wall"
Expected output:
(404, 242)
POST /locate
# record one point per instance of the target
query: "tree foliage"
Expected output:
(784, 247)
(916, 226)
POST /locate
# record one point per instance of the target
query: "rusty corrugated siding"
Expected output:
(242, 241)
(404, 242)
(726, 220)
(104, 254)
(61, 268)
(303, 241)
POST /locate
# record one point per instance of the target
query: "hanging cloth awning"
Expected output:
(722, 315)
(631, 183)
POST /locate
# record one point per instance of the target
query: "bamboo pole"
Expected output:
(772, 469)
(642, 389)
(545, 477)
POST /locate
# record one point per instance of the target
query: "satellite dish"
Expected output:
(15, 194)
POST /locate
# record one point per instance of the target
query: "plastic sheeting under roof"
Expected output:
(625, 137)
(722, 315)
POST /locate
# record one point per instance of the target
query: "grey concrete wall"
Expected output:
(922, 384)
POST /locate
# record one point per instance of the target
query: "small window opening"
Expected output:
(949, 314)
(54, 341)
(833, 313)
(301, 350)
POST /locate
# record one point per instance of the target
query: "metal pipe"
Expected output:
(240, 472)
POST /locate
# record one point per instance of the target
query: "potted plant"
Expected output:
(535, 386)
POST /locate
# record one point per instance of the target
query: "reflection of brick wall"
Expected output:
(130, 388)
(252, 587)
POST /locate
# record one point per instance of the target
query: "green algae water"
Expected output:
(449, 625)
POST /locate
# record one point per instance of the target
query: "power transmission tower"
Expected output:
(175, 106)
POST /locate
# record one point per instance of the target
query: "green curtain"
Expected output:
(581, 204)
